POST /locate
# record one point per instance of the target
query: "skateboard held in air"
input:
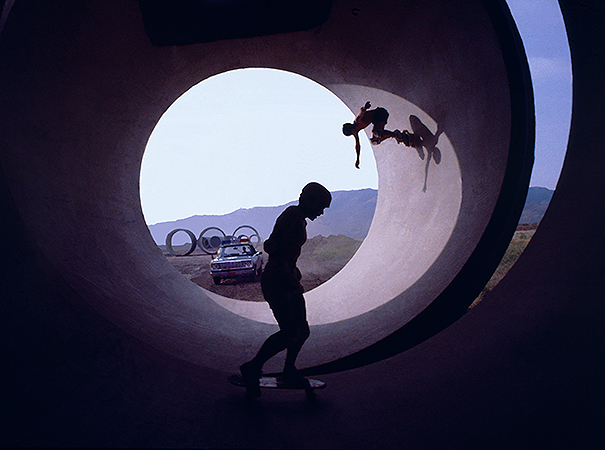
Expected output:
(277, 382)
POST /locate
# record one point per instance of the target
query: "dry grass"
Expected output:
(517, 245)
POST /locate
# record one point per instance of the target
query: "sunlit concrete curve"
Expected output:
(396, 253)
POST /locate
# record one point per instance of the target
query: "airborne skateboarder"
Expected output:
(280, 283)
(378, 117)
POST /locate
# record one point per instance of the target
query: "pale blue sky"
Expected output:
(543, 32)
(212, 154)
(216, 148)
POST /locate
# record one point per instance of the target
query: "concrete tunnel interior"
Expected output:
(82, 91)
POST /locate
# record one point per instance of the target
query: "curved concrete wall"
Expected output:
(412, 228)
(81, 91)
(94, 101)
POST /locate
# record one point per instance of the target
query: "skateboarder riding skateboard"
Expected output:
(280, 283)
(378, 117)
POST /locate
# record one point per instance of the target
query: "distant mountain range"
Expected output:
(538, 199)
(351, 214)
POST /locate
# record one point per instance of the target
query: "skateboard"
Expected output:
(427, 139)
(276, 382)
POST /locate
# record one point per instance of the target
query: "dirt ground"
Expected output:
(316, 269)
(196, 267)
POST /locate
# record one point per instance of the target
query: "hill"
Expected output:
(349, 215)
(536, 203)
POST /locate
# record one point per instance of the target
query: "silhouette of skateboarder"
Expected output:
(280, 283)
(378, 118)
(429, 141)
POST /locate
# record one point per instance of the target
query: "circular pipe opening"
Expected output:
(80, 171)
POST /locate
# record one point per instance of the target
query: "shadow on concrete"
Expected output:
(429, 143)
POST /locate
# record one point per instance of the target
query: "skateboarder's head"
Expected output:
(347, 129)
(314, 198)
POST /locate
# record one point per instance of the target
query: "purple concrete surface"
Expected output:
(95, 100)
(105, 344)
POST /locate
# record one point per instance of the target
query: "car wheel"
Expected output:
(217, 280)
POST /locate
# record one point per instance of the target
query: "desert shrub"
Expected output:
(336, 248)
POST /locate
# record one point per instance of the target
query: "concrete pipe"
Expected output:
(112, 346)
(192, 239)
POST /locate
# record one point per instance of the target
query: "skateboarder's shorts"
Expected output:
(380, 116)
(288, 307)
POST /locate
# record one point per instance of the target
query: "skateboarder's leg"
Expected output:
(252, 370)
(390, 134)
(410, 140)
(415, 140)
(298, 332)
(290, 373)
(251, 374)
(289, 311)
(378, 133)
(295, 344)
(403, 137)
(271, 347)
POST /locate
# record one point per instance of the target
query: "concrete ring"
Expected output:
(209, 245)
(169, 237)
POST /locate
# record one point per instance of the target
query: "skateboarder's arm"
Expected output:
(362, 112)
(363, 119)
(357, 149)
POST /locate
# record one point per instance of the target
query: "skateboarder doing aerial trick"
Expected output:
(378, 118)
(280, 283)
